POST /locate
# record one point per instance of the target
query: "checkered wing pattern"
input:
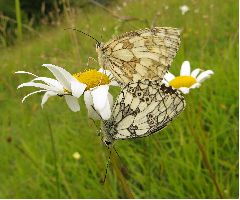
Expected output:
(142, 108)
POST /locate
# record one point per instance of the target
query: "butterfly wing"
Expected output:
(143, 108)
(142, 54)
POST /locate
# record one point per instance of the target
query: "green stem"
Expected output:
(208, 166)
(149, 161)
(206, 163)
(18, 19)
(55, 158)
(121, 178)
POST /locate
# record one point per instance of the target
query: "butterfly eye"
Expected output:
(107, 143)
(98, 45)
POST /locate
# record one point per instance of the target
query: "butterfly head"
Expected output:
(106, 138)
(107, 143)
(99, 45)
(101, 57)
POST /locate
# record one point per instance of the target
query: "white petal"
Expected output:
(169, 76)
(185, 69)
(105, 112)
(72, 103)
(106, 72)
(63, 76)
(195, 72)
(88, 98)
(89, 104)
(77, 88)
(24, 98)
(50, 82)
(114, 83)
(100, 95)
(165, 82)
(110, 99)
(204, 75)
(184, 90)
(195, 85)
(46, 96)
(101, 70)
(24, 72)
(38, 85)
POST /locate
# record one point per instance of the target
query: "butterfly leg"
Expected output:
(98, 130)
(102, 181)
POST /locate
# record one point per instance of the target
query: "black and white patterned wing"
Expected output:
(143, 108)
(140, 54)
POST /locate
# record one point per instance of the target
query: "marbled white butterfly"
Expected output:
(141, 54)
(142, 108)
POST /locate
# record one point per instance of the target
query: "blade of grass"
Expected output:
(149, 166)
(54, 157)
(204, 157)
(121, 178)
(35, 164)
(18, 18)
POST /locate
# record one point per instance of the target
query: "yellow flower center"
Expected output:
(92, 78)
(182, 81)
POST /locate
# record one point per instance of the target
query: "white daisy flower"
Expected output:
(73, 86)
(187, 80)
(64, 85)
(98, 100)
(184, 9)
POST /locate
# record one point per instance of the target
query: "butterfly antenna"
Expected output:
(98, 43)
(105, 176)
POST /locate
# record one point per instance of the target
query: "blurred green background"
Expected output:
(196, 156)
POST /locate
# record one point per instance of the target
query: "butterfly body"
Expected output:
(141, 54)
(141, 109)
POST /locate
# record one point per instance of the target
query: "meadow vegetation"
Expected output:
(196, 156)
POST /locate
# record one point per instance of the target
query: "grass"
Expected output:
(18, 19)
(196, 156)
